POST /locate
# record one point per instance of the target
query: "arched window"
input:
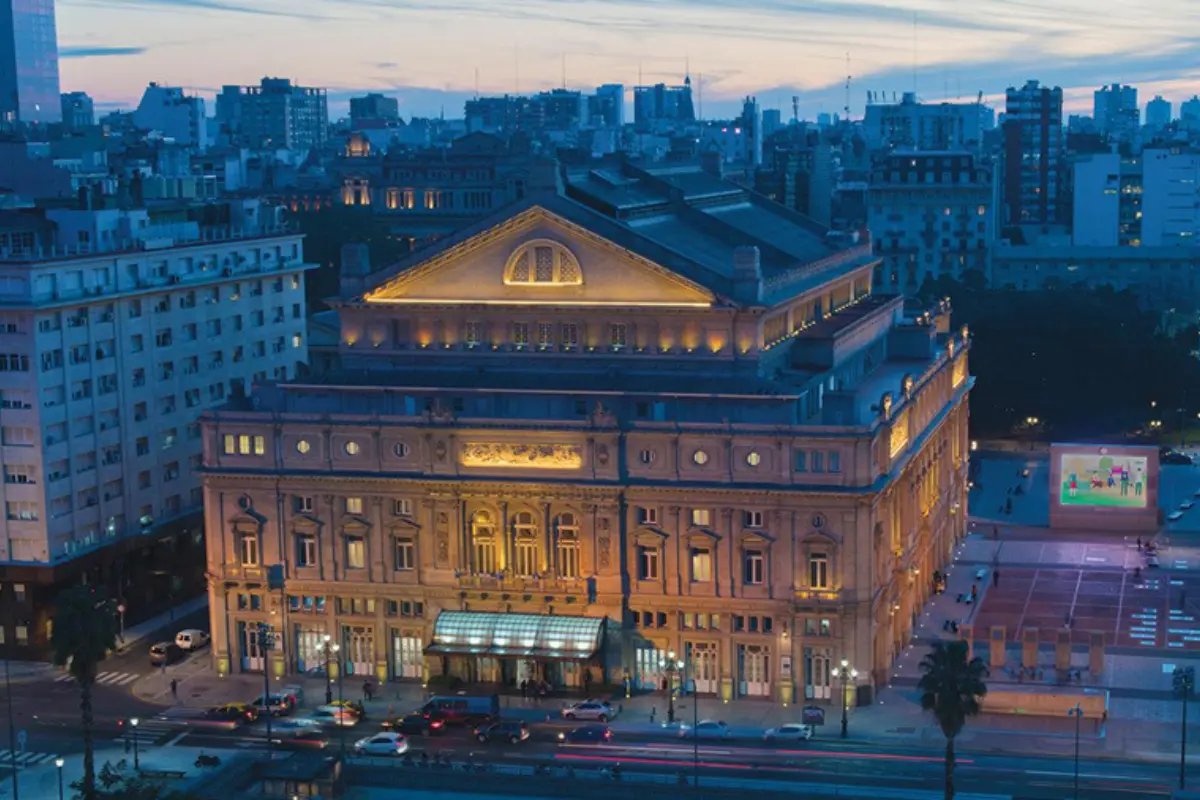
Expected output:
(483, 543)
(542, 262)
(567, 546)
(525, 545)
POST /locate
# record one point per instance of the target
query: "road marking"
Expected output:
(116, 678)
(177, 739)
(25, 760)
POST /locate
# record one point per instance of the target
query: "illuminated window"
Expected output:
(618, 335)
(244, 445)
(483, 536)
(543, 262)
(249, 550)
(700, 457)
(525, 551)
(647, 563)
(700, 516)
(545, 334)
(818, 571)
(567, 548)
(701, 565)
(352, 448)
(354, 505)
(356, 552)
(570, 334)
(521, 334)
(753, 458)
(303, 446)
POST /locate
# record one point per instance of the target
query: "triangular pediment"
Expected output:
(537, 257)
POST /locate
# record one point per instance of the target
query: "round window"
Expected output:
(352, 448)
(753, 458)
(400, 449)
(646, 456)
(700, 457)
(303, 446)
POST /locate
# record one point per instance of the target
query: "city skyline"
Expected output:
(770, 48)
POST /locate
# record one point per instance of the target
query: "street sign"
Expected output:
(22, 739)
(813, 715)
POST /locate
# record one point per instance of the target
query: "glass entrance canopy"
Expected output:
(516, 635)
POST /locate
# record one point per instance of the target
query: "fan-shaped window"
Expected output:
(543, 262)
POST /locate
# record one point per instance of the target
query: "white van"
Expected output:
(191, 639)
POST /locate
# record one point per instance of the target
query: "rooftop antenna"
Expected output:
(796, 108)
(914, 53)
(477, 83)
(640, 74)
(564, 71)
(700, 96)
(516, 70)
(846, 108)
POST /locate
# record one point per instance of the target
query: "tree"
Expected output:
(951, 688)
(117, 784)
(83, 634)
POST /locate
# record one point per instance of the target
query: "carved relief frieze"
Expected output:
(521, 456)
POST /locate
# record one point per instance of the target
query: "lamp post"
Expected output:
(1077, 713)
(845, 674)
(328, 647)
(265, 640)
(1184, 681)
(341, 704)
(671, 666)
(695, 724)
(58, 762)
(133, 723)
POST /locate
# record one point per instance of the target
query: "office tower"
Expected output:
(28, 62)
(1033, 143)
(78, 111)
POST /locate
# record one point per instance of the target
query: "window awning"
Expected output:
(480, 633)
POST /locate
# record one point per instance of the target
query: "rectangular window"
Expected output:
(818, 459)
(474, 334)
(755, 568)
(568, 558)
(618, 336)
(570, 334)
(406, 554)
(306, 551)
(801, 461)
(818, 571)
(835, 461)
(521, 334)
(304, 503)
(545, 335)
(356, 552)
(525, 553)
(701, 565)
(647, 563)
(700, 517)
(648, 515)
(752, 519)
(249, 550)
(354, 505)
(402, 507)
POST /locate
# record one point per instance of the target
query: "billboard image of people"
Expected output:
(1103, 480)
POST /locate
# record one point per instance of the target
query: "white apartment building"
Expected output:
(1171, 200)
(117, 329)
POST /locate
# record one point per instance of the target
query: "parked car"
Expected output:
(277, 704)
(590, 709)
(233, 712)
(791, 732)
(586, 734)
(1175, 516)
(382, 744)
(337, 716)
(302, 739)
(164, 653)
(1185, 505)
(191, 639)
(706, 729)
(417, 724)
(506, 731)
(463, 710)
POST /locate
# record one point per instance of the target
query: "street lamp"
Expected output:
(1184, 681)
(328, 647)
(846, 674)
(341, 703)
(265, 641)
(58, 762)
(133, 723)
(671, 666)
(1077, 713)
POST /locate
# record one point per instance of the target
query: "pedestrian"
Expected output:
(974, 592)
(524, 688)
(995, 532)
(1139, 544)
(995, 577)
(366, 690)
(587, 681)
(174, 688)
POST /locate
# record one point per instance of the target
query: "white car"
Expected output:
(382, 744)
(590, 709)
(792, 732)
(1185, 505)
(337, 716)
(191, 639)
(1175, 516)
(706, 729)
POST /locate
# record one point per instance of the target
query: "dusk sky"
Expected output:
(426, 52)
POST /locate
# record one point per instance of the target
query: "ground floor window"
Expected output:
(408, 661)
(754, 670)
(310, 650)
(816, 673)
(702, 661)
(647, 674)
(358, 650)
(251, 651)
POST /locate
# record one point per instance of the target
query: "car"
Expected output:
(589, 709)
(302, 739)
(706, 729)
(337, 716)
(278, 704)
(1197, 493)
(791, 732)
(191, 639)
(504, 731)
(387, 743)
(1175, 457)
(463, 709)
(417, 724)
(296, 724)
(233, 712)
(1175, 516)
(353, 706)
(586, 734)
(1185, 505)
(165, 653)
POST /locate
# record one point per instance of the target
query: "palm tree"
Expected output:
(83, 633)
(951, 687)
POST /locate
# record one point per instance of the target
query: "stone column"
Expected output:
(1096, 652)
(998, 643)
(1029, 648)
(1062, 649)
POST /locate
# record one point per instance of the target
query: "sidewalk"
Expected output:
(136, 634)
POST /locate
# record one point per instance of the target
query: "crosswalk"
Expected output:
(105, 678)
(24, 760)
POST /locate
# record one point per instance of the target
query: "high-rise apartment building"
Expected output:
(374, 106)
(169, 111)
(1158, 113)
(117, 329)
(78, 111)
(29, 90)
(926, 126)
(1033, 152)
(275, 114)
(660, 102)
(1116, 112)
(607, 106)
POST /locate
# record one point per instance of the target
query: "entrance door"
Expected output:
(754, 661)
(572, 675)
(252, 654)
(648, 678)
(816, 674)
(702, 666)
(310, 651)
(408, 661)
(360, 650)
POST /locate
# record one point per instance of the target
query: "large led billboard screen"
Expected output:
(1103, 487)
(1103, 480)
